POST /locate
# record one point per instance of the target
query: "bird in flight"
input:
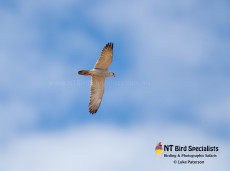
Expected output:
(99, 73)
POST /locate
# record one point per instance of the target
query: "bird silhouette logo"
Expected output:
(158, 148)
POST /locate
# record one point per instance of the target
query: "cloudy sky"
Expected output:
(171, 61)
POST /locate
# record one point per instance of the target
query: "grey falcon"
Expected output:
(99, 73)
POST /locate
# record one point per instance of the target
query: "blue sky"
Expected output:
(171, 61)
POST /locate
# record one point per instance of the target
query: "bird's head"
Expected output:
(112, 74)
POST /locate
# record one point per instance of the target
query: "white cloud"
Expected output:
(160, 47)
(170, 45)
(105, 147)
(27, 69)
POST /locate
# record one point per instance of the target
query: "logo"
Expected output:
(159, 148)
(187, 154)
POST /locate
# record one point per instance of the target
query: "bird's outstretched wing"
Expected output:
(106, 57)
(96, 93)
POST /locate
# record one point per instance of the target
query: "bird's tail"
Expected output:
(84, 72)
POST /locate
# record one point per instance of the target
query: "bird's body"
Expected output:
(99, 73)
